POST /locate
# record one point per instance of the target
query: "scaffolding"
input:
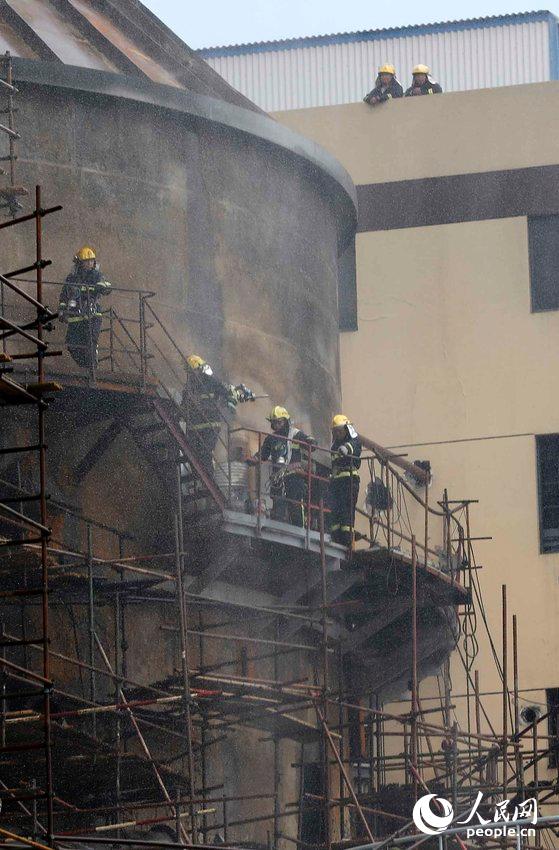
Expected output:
(134, 755)
(24, 340)
(11, 192)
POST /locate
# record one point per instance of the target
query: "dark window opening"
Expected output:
(552, 695)
(543, 246)
(347, 289)
(547, 451)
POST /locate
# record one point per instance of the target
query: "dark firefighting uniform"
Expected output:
(202, 401)
(428, 87)
(288, 487)
(344, 486)
(384, 93)
(80, 307)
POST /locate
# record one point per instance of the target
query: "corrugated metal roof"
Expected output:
(375, 34)
(120, 36)
(329, 70)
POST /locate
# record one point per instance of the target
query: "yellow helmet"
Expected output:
(278, 412)
(195, 361)
(421, 69)
(340, 420)
(387, 69)
(85, 253)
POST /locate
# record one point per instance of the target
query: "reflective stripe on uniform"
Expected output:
(346, 473)
(203, 425)
(83, 318)
(335, 527)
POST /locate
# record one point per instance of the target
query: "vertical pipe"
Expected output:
(478, 723)
(259, 484)
(301, 793)
(413, 729)
(229, 482)
(44, 520)
(203, 731)
(276, 742)
(467, 580)
(505, 689)
(184, 665)
(372, 514)
(111, 339)
(378, 734)
(341, 734)
(11, 120)
(448, 535)
(143, 339)
(178, 835)
(517, 751)
(371, 755)
(535, 758)
(455, 766)
(426, 529)
(34, 808)
(225, 821)
(91, 625)
(118, 684)
(388, 509)
(351, 511)
(325, 684)
(407, 770)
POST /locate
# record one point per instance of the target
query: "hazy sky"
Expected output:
(206, 23)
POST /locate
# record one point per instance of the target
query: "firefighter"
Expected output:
(79, 307)
(344, 481)
(386, 87)
(422, 83)
(288, 482)
(203, 400)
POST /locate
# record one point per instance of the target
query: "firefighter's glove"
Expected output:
(243, 393)
(343, 450)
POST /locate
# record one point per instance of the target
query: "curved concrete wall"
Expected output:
(235, 222)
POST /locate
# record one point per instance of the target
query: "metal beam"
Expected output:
(27, 33)
(97, 451)
(97, 39)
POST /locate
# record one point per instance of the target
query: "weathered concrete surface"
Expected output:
(238, 236)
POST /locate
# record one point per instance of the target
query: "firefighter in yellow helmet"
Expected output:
(204, 399)
(386, 87)
(288, 481)
(344, 481)
(79, 306)
(422, 83)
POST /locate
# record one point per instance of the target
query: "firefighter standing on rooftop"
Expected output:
(288, 482)
(344, 482)
(422, 83)
(80, 308)
(203, 399)
(386, 87)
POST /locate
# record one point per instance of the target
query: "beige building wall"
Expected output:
(449, 363)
